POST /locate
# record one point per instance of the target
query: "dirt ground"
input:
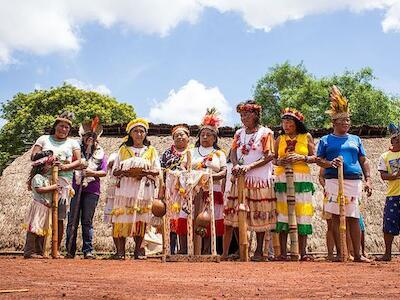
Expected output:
(152, 279)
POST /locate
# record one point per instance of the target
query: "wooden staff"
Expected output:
(212, 223)
(54, 214)
(242, 215)
(166, 218)
(342, 213)
(276, 244)
(190, 247)
(291, 202)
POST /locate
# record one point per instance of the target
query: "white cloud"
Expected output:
(392, 19)
(101, 89)
(266, 14)
(189, 104)
(48, 26)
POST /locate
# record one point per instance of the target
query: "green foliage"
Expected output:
(28, 114)
(288, 85)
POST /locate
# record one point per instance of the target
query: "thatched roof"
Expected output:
(14, 199)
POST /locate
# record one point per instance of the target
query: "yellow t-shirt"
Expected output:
(390, 162)
(300, 147)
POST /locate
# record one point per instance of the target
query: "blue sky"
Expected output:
(212, 55)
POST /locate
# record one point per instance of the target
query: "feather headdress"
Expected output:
(339, 104)
(394, 130)
(249, 105)
(67, 117)
(211, 120)
(93, 126)
(288, 111)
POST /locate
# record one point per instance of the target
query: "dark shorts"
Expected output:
(391, 215)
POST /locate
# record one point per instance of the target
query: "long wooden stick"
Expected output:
(13, 291)
(190, 246)
(54, 214)
(242, 215)
(212, 224)
(291, 202)
(166, 227)
(342, 213)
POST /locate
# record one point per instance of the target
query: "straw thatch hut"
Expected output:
(14, 197)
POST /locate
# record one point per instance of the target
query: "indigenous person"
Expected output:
(252, 155)
(207, 155)
(138, 167)
(355, 165)
(68, 157)
(389, 167)
(174, 158)
(37, 217)
(86, 183)
(110, 193)
(294, 146)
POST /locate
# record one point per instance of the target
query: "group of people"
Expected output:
(137, 175)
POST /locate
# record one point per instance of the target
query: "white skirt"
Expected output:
(352, 195)
(37, 218)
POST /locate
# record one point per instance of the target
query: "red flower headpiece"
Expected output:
(288, 111)
(211, 120)
(248, 107)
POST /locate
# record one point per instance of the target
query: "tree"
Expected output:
(288, 85)
(28, 114)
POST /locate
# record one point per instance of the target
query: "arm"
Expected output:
(36, 149)
(321, 177)
(46, 189)
(259, 163)
(91, 173)
(73, 165)
(220, 175)
(277, 161)
(367, 174)
(386, 176)
(310, 158)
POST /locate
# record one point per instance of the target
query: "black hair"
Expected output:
(129, 142)
(83, 148)
(215, 145)
(37, 169)
(300, 127)
(53, 129)
(256, 112)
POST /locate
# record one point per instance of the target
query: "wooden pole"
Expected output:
(291, 202)
(54, 214)
(342, 212)
(276, 244)
(166, 221)
(242, 215)
(212, 224)
(190, 246)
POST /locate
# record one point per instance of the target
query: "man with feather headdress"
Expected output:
(389, 167)
(355, 167)
(86, 184)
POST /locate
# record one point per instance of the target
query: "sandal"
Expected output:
(307, 258)
(362, 259)
(258, 258)
(117, 256)
(282, 258)
(384, 258)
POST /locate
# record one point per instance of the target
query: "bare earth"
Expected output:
(129, 279)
